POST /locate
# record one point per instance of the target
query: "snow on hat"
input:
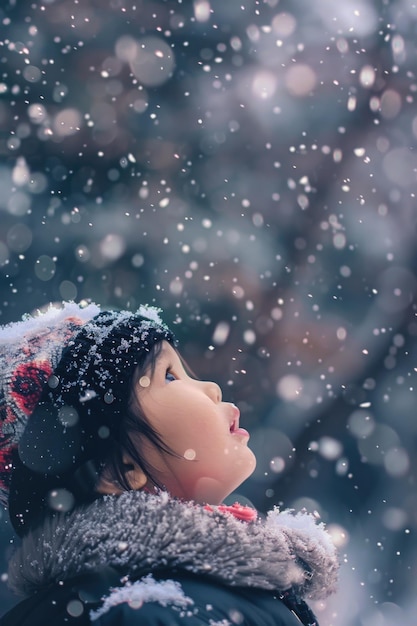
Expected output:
(64, 381)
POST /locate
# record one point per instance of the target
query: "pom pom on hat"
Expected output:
(72, 356)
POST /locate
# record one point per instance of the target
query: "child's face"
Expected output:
(193, 421)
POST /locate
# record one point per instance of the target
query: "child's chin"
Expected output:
(249, 464)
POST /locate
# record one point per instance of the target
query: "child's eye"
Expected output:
(169, 376)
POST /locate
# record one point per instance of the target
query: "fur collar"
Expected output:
(138, 533)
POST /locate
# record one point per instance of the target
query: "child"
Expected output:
(114, 462)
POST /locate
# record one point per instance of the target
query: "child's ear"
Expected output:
(108, 487)
(133, 473)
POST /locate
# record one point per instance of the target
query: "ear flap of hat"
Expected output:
(32, 493)
(51, 441)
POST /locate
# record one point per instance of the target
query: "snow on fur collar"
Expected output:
(138, 533)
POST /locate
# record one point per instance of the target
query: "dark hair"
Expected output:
(135, 426)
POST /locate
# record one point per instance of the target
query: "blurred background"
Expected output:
(251, 168)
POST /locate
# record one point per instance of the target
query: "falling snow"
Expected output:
(251, 168)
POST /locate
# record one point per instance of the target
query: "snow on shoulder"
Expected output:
(165, 592)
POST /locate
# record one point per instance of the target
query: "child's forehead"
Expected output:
(167, 350)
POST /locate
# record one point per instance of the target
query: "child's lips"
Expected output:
(241, 431)
(234, 426)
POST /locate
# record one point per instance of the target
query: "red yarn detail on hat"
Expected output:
(27, 384)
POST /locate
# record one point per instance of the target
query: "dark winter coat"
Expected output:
(141, 559)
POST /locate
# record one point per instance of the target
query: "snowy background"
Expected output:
(250, 167)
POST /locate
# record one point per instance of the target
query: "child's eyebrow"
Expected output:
(164, 351)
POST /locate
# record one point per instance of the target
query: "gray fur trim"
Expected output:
(138, 533)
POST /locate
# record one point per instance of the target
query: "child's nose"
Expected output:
(212, 390)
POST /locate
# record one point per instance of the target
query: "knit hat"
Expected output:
(65, 378)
